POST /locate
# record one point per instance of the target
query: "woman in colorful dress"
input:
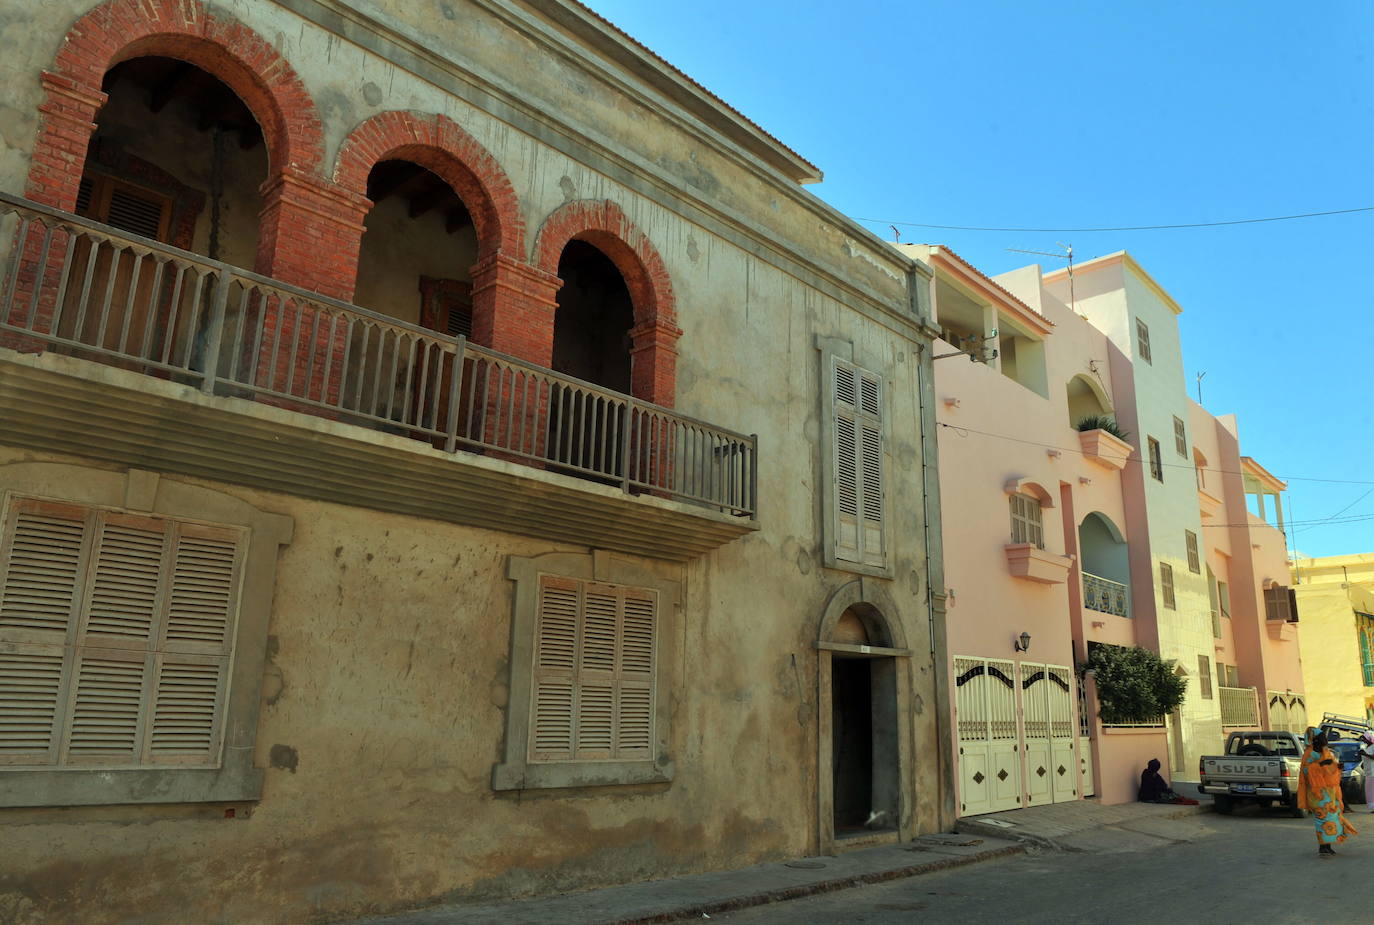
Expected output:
(1367, 765)
(1319, 792)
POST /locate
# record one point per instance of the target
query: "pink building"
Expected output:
(1057, 539)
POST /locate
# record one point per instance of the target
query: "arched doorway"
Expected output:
(864, 758)
(591, 342)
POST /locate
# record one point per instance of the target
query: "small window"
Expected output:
(1204, 677)
(1280, 604)
(1194, 560)
(1156, 460)
(1214, 600)
(1180, 438)
(1166, 584)
(124, 206)
(1142, 339)
(1221, 675)
(1233, 676)
(1224, 598)
(1026, 523)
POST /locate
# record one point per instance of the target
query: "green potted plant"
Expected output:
(1103, 441)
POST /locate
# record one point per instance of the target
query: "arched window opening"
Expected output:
(591, 329)
(415, 263)
(1086, 400)
(1106, 566)
(591, 342)
(177, 157)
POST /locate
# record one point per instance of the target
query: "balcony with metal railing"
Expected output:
(117, 347)
(1106, 596)
(1239, 706)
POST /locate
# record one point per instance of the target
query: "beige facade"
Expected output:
(1335, 598)
(386, 730)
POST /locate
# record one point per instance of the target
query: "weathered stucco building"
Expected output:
(445, 452)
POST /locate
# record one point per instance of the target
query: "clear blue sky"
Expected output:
(1073, 115)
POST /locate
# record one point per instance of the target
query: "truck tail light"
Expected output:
(1283, 770)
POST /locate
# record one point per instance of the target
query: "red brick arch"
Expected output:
(441, 146)
(605, 226)
(119, 30)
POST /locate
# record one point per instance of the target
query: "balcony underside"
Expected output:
(61, 404)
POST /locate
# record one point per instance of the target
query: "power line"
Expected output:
(1239, 221)
(965, 431)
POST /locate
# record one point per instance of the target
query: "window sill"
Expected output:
(32, 787)
(1034, 564)
(575, 774)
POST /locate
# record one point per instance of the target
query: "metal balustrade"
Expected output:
(80, 288)
(1105, 596)
(1239, 706)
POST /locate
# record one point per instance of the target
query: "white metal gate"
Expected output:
(1017, 734)
(989, 742)
(1085, 746)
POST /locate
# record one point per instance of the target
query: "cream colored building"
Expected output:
(1335, 598)
(446, 453)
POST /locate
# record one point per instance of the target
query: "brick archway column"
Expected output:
(513, 306)
(69, 112)
(653, 355)
(310, 232)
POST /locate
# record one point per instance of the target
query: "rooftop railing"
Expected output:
(89, 290)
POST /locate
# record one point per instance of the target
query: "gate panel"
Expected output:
(1035, 713)
(1006, 746)
(989, 752)
(1064, 768)
(1085, 745)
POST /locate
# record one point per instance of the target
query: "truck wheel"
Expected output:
(1293, 809)
(1222, 804)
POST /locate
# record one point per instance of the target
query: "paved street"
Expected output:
(1253, 866)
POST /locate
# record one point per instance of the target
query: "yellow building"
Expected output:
(1335, 596)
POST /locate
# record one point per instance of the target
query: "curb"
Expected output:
(971, 826)
(767, 897)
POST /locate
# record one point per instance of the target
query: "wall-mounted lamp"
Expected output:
(1021, 643)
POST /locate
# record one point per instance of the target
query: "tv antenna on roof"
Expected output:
(1067, 255)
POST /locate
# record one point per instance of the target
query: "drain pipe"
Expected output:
(920, 282)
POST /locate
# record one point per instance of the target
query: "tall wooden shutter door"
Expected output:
(846, 462)
(555, 662)
(871, 453)
(42, 561)
(635, 716)
(192, 672)
(596, 686)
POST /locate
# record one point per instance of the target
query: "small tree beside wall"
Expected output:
(1134, 685)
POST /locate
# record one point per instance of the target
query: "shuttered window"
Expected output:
(1142, 340)
(858, 464)
(594, 668)
(1204, 677)
(1214, 599)
(1194, 560)
(1156, 461)
(1280, 604)
(1026, 522)
(1166, 584)
(1180, 438)
(116, 637)
(124, 206)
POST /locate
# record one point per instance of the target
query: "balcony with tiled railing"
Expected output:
(1239, 706)
(1106, 596)
(134, 352)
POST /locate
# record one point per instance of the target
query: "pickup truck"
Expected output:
(1258, 766)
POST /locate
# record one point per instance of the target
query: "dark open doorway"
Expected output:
(864, 744)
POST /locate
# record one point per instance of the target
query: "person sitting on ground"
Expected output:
(1155, 789)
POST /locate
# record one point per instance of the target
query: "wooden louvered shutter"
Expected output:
(555, 664)
(847, 484)
(593, 672)
(43, 560)
(858, 464)
(140, 614)
(871, 466)
(124, 206)
(635, 710)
